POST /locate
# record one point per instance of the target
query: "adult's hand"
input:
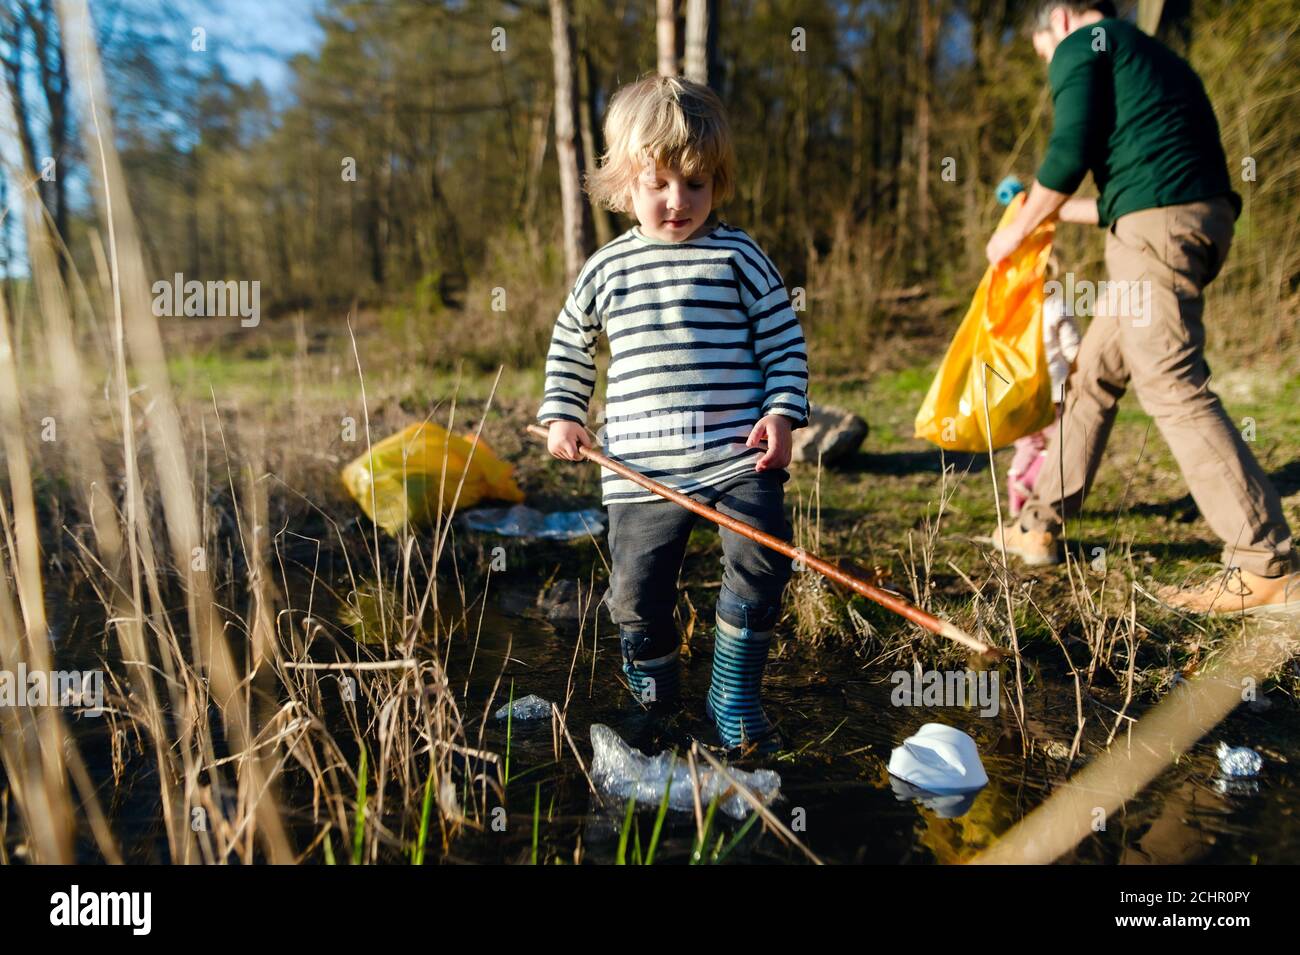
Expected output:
(1005, 241)
(1041, 204)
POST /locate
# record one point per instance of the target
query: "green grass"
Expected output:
(873, 507)
(359, 833)
(537, 818)
(882, 488)
(417, 853)
(510, 719)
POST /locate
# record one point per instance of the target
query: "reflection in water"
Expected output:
(949, 806)
(1123, 774)
(842, 727)
(1176, 834)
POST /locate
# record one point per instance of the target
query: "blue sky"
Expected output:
(256, 38)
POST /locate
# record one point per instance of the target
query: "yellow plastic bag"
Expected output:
(407, 471)
(1004, 330)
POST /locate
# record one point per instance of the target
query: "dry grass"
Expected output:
(276, 735)
(223, 697)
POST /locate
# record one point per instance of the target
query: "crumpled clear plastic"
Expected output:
(530, 707)
(1239, 761)
(623, 772)
(524, 521)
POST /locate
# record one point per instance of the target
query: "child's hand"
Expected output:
(775, 428)
(564, 438)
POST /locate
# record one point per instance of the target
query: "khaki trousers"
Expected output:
(1148, 333)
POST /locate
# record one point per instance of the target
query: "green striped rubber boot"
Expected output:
(739, 657)
(655, 683)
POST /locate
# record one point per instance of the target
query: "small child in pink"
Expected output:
(1061, 341)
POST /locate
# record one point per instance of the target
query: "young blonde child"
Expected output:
(707, 361)
(1061, 340)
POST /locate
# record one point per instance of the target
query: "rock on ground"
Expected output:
(831, 432)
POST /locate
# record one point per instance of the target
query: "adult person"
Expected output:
(1134, 114)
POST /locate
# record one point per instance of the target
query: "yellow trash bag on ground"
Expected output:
(1003, 329)
(406, 474)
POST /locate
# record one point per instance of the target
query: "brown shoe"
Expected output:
(1035, 548)
(1234, 590)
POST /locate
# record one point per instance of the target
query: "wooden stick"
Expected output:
(886, 599)
(352, 665)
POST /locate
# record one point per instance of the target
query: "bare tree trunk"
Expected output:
(194, 263)
(11, 36)
(698, 17)
(568, 144)
(1167, 20)
(6, 250)
(855, 139)
(797, 168)
(54, 84)
(539, 136)
(923, 171)
(375, 232)
(1148, 16)
(666, 37)
(451, 256)
(591, 145)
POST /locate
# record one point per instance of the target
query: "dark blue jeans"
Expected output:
(647, 541)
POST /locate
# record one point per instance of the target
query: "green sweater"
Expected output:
(1136, 115)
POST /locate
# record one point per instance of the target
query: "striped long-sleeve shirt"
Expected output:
(703, 342)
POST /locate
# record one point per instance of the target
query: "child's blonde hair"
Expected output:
(669, 121)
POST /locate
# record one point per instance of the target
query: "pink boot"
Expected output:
(1024, 469)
